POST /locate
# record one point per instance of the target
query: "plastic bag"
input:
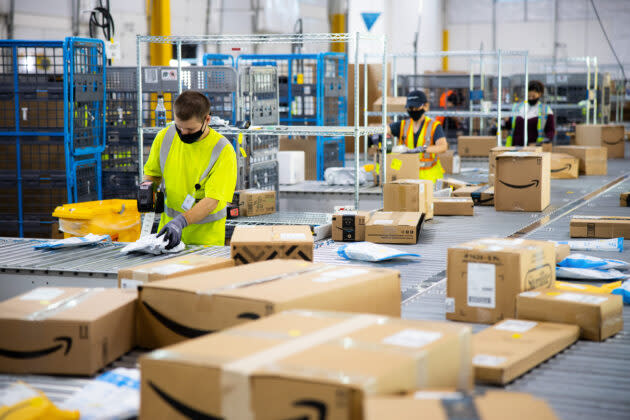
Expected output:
(587, 261)
(603, 289)
(20, 401)
(589, 274)
(345, 176)
(623, 291)
(614, 244)
(89, 239)
(151, 244)
(367, 251)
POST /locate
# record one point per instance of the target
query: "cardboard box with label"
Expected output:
(496, 151)
(485, 276)
(523, 181)
(610, 136)
(402, 166)
(171, 311)
(394, 104)
(65, 330)
(481, 195)
(297, 362)
(592, 159)
(409, 195)
(260, 243)
(624, 199)
(512, 347)
(453, 206)
(442, 404)
(349, 226)
(451, 162)
(604, 227)
(255, 202)
(564, 166)
(132, 277)
(599, 316)
(475, 146)
(394, 227)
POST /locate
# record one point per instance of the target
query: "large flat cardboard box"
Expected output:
(171, 311)
(394, 104)
(481, 195)
(523, 181)
(65, 330)
(132, 277)
(603, 227)
(298, 362)
(592, 159)
(260, 243)
(409, 195)
(402, 166)
(512, 347)
(564, 166)
(475, 146)
(394, 227)
(610, 136)
(599, 316)
(254, 202)
(624, 199)
(453, 206)
(485, 276)
(440, 404)
(349, 226)
(451, 162)
(308, 145)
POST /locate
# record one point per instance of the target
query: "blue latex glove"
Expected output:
(172, 231)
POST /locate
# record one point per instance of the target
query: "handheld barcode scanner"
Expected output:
(150, 202)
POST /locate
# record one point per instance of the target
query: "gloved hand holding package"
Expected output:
(151, 244)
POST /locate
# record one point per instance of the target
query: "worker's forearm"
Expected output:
(439, 147)
(201, 210)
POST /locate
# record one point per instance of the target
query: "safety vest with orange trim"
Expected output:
(427, 160)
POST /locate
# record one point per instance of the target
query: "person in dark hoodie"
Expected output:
(541, 127)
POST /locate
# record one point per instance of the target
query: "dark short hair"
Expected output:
(536, 86)
(191, 104)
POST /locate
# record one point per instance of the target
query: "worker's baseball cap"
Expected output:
(416, 99)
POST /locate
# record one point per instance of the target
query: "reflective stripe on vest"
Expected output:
(427, 160)
(165, 148)
(540, 125)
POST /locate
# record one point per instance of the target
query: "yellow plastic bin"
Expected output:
(117, 218)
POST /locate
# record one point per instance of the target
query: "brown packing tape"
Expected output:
(62, 305)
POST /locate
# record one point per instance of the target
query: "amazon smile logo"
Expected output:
(534, 182)
(566, 167)
(612, 143)
(33, 354)
(317, 407)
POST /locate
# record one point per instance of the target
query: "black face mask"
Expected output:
(533, 102)
(192, 137)
(415, 115)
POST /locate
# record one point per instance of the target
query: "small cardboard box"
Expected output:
(441, 404)
(409, 195)
(453, 183)
(394, 227)
(564, 166)
(132, 277)
(609, 136)
(451, 163)
(256, 202)
(592, 159)
(281, 366)
(562, 251)
(599, 316)
(523, 181)
(394, 104)
(480, 195)
(624, 199)
(473, 146)
(512, 347)
(496, 151)
(260, 243)
(485, 276)
(402, 166)
(349, 226)
(65, 330)
(172, 311)
(604, 227)
(453, 206)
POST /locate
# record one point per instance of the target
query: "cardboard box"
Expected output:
(453, 183)
(485, 276)
(624, 199)
(282, 366)
(441, 404)
(309, 146)
(512, 347)
(496, 151)
(481, 195)
(523, 181)
(394, 104)
(470, 146)
(592, 159)
(402, 166)
(132, 277)
(451, 163)
(171, 311)
(562, 251)
(599, 316)
(65, 330)
(349, 226)
(604, 227)
(394, 227)
(564, 166)
(260, 243)
(254, 202)
(609, 136)
(453, 206)
(409, 195)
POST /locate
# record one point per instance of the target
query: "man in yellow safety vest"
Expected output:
(197, 168)
(421, 134)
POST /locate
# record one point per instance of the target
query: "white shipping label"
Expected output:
(575, 297)
(412, 338)
(151, 75)
(449, 305)
(481, 285)
(437, 395)
(530, 294)
(383, 222)
(342, 273)
(130, 284)
(488, 360)
(43, 293)
(516, 325)
(292, 236)
(168, 269)
(347, 213)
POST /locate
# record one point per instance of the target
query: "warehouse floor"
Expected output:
(588, 380)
